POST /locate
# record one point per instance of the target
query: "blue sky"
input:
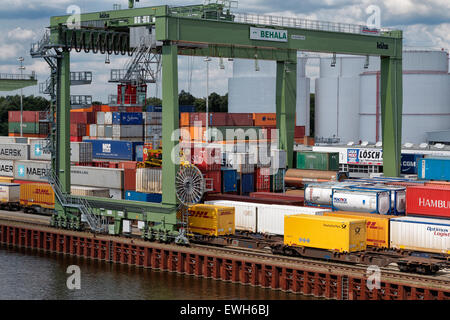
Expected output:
(426, 25)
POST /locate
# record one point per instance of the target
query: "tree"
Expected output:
(186, 99)
(97, 103)
(153, 101)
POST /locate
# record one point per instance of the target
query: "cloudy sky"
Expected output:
(425, 25)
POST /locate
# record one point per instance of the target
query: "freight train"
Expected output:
(28, 197)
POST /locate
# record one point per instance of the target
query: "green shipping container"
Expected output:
(27, 127)
(327, 161)
(277, 181)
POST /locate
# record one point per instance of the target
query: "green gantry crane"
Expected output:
(209, 30)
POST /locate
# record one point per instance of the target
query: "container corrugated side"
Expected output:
(211, 220)
(37, 194)
(89, 191)
(245, 213)
(432, 201)
(97, 177)
(7, 168)
(326, 161)
(434, 169)
(149, 180)
(422, 234)
(9, 192)
(323, 232)
(31, 170)
(271, 217)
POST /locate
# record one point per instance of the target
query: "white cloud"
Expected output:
(21, 34)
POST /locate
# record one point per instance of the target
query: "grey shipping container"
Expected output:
(108, 131)
(6, 168)
(97, 177)
(14, 151)
(31, 170)
(89, 191)
(100, 130)
(80, 151)
(93, 130)
(127, 131)
(149, 180)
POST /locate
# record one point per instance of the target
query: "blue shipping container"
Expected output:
(140, 152)
(409, 163)
(114, 149)
(187, 108)
(434, 169)
(127, 118)
(247, 183)
(229, 180)
(154, 108)
(145, 197)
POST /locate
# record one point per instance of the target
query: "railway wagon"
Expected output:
(37, 198)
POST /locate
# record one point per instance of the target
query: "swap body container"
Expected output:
(430, 200)
(245, 213)
(271, 217)
(434, 169)
(377, 226)
(326, 161)
(212, 220)
(9, 192)
(97, 177)
(371, 201)
(325, 232)
(421, 234)
(37, 194)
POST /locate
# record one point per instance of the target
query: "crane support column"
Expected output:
(63, 122)
(169, 119)
(286, 98)
(391, 113)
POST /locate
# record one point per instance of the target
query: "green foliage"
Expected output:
(186, 99)
(312, 103)
(153, 101)
(12, 103)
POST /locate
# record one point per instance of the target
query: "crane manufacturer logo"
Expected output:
(268, 34)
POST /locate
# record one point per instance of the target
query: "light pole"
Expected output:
(21, 68)
(207, 60)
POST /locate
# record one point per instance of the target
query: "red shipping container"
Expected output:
(299, 131)
(214, 181)
(82, 117)
(206, 159)
(128, 165)
(274, 195)
(240, 119)
(269, 134)
(27, 116)
(77, 129)
(433, 201)
(129, 179)
(197, 117)
(76, 139)
(262, 179)
(218, 119)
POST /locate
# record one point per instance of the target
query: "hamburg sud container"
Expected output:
(9, 192)
(14, 151)
(377, 226)
(270, 217)
(434, 169)
(149, 180)
(37, 196)
(432, 201)
(323, 232)
(97, 177)
(372, 201)
(127, 118)
(245, 213)
(422, 234)
(327, 161)
(7, 168)
(114, 149)
(212, 220)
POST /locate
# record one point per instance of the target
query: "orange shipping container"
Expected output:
(184, 119)
(37, 195)
(265, 119)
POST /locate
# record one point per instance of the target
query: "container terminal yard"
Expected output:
(248, 198)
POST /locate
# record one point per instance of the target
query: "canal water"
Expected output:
(35, 275)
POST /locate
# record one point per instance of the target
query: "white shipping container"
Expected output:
(37, 149)
(116, 194)
(370, 201)
(14, 151)
(89, 191)
(271, 217)
(7, 139)
(97, 177)
(31, 170)
(100, 130)
(149, 180)
(93, 130)
(108, 118)
(152, 130)
(81, 152)
(422, 234)
(127, 131)
(101, 118)
(9, 192)
(245, 213)
(6, 168)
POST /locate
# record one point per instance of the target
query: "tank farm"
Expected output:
(272, 209)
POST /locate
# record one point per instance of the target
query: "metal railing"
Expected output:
(80, 100)
(137, 99)
(11, 76)
(81, 76)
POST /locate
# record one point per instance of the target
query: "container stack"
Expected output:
(33, 124)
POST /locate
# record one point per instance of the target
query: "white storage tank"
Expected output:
(255, 91)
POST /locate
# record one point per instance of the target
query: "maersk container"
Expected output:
(97, 177)
(127, 118)
(114, 149)
(422, 234)
(31, 170)
(141, 196)
(229, 180)
(326, 161)
(127, 131)
(80, 151)
(409, 163)
(271, 217)
(149, 180)
(10, 192)
(14, 151)
(434, 169)
(245, 213)
(6, 168)
(372, 201)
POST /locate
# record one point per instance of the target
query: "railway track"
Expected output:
(440, 279)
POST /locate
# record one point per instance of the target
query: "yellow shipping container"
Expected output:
(324, 232)
(37, 194)
(6, 180)
(377, 226)
(211, 220)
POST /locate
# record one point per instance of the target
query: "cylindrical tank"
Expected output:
(426, 97)
(371, 201)
(337, 99)
(322, 193)
(255, 91)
